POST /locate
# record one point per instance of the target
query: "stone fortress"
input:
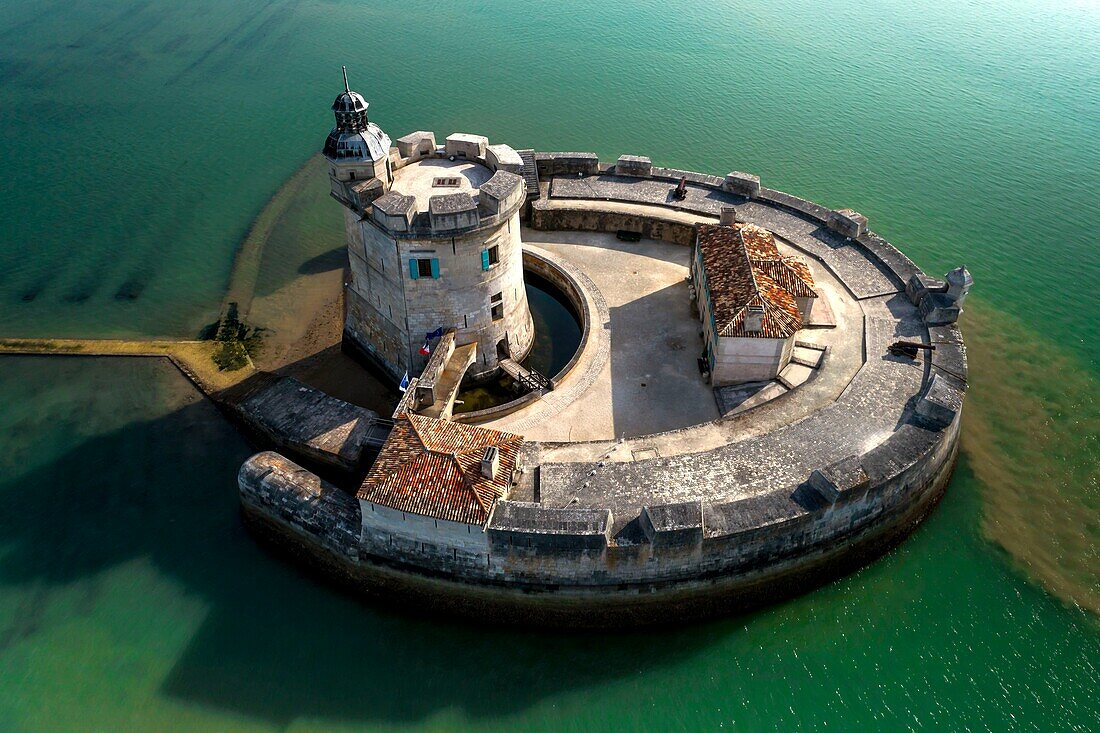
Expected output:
(766, 394)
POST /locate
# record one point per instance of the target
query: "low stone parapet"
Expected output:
(556, 215)
(528, 524)
(634, 165)
(850, 223)
(300, 503)
(840, 480)
(556, 164)
(742, 184)
(673, 524)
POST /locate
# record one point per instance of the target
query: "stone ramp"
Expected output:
(307, 423)
(446, 385)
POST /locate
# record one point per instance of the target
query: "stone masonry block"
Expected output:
(553, 164)
(416, 144)
(850, 223)
(744, 184)
(452, 211)
(938, 310)
(920, 285)
(521, 523)
(503, 158)
(466, 145)
(839, 480)
(940, 403)
(394, 211)
(634, 165)
(673, 524)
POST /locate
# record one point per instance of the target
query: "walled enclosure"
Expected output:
(655, 539)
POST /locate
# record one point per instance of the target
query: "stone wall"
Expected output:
(563, 217)
(735, 549)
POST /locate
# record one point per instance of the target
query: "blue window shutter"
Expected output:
(435, 268)
(484, 259)
(413, 272)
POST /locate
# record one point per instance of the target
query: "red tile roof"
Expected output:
(742, 267)
(433, 468)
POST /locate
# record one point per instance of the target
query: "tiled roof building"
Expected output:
(434, 468)
(748, 290)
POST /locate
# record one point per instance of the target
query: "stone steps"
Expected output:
(530, 172)
(794, 374)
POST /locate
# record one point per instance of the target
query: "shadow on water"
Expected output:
(274, 644)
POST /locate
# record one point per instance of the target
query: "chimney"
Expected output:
(754, 318)
(490, 462)
(728, 216)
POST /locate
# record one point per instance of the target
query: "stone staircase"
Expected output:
(530, 173)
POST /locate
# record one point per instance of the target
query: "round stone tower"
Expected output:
(433, 243)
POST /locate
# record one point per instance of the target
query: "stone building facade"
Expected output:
(433, 237)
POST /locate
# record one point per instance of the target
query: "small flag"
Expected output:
(404, 383)
(436, 334)
(425, 349)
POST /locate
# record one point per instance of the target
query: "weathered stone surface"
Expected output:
(466, 145)
(949, 358)
(673, 524)
(308, 505)
(675, 174)
(919, 285)
(634, 165)
(847, 222)
(503, 158)
(938, 309)
(416, 144)
(906, 447)
(940, 403)
(534, 525)
(553, 164)
(310, 423)
(500, 193)
(743, 184)
(839, 480)
(753, 513)
(394, 211)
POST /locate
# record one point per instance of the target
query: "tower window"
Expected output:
(424, 267)
(490, 257)
(496, 306)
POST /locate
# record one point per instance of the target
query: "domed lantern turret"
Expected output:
(357, 148)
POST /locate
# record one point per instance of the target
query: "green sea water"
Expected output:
(140, 138)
